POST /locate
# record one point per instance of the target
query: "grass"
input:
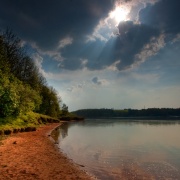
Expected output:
(30, 119)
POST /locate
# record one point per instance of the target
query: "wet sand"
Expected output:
(33, 155)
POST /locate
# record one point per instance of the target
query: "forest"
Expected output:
(158, 113)
(22, 86)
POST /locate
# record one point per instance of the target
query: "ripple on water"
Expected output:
(162, 170)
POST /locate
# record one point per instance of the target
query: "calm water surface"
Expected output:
(116, 149)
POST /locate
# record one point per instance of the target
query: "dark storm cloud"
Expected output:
(164, 15)
(161, 18)
(46, 22)
(121, 49)
(124, 48)
(86, 54)
(131, 41)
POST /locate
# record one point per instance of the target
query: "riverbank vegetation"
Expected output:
(22, 86)
(24, 123)
(26, 100)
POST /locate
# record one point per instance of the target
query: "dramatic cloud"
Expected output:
(123, 49)
(136, 42)
(82, 46)
(151, 49)
(61, 30)
(47, 22)
(164, 15)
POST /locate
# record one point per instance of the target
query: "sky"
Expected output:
(102, 53)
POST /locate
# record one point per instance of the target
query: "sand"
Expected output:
(34, 155)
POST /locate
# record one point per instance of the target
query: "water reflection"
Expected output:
(114, 149)
(60, 132)
(107, 122)
(64, 130)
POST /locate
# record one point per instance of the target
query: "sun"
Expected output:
(119, 14)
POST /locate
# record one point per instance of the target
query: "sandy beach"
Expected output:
(33, 155)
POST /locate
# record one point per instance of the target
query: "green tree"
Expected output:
(51, 102)
(22, 87)
(64, 109)
(29, 99)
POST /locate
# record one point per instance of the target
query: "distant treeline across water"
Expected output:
(158, 113)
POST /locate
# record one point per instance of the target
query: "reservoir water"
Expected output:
(123, 149)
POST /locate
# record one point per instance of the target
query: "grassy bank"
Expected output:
(30, 121)
(27, 122)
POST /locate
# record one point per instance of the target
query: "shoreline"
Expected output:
(34, 155)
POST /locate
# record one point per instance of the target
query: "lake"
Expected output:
(123, 149)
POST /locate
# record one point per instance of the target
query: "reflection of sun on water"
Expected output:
(119, 14)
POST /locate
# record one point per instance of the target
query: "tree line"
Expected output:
(22, 86)
(108, 113)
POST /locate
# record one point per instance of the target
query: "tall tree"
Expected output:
(22, 87)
